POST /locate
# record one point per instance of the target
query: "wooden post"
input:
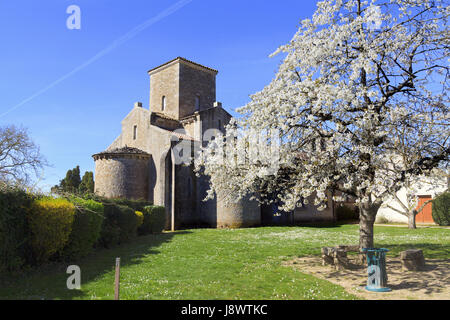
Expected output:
(117, 282)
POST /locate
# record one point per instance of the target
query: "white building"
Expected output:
(421, 190)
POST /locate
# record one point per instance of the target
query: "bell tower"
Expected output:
(181, 87)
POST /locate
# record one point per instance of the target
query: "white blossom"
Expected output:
(378, 97)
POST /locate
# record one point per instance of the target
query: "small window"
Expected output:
(163, 103)
(134, 132)
(197, 102)
(220, 124)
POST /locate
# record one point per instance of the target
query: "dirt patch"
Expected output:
(431, 284)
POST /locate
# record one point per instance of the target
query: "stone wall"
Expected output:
(215, 117)
(244, 213)
(122, 177)
(196, 82)
(181, 82)
(186, 213)
(309, 212)
(165, 82)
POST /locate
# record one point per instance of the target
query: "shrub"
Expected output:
(85, 230)
(441, 209)
(137, 205)
(154, 220)
(50, 222)
(344, 212)
(140, 217)
(120, 225)
(109, 236)
(14, 232)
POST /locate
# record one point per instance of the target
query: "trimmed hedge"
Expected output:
(119, 226)
(441, 209)
(35, 229)
(14, 232)
(154, 220)
(85, 230)
(50, 221)
(137, 205)
(140, 217)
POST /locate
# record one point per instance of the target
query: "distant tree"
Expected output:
(87, 182)
(72, 182)
(20, 157)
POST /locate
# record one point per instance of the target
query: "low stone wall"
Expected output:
(244, 213)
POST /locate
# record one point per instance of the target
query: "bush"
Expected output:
(140, 217)
(154, 220)
(344, 212)
(120, 225)
(85, 230)
(14, 232)
(441, 209)
(137, 205)
(50, 222)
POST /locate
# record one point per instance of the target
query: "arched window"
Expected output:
(163, 103)
(197, 102)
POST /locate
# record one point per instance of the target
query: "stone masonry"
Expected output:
(141, 163)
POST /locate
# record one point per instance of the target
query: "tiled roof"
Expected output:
(124, 150)
(186, 60)
(183, 136)
(164, 116)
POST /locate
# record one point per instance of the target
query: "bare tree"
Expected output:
(409, 204)
(20, 157)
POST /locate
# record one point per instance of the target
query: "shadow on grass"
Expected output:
(430, 250)
(431, 280)
(49, 281)
(316, 224)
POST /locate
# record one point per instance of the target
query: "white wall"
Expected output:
(421, 188)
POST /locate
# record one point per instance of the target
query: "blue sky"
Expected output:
(81, 115)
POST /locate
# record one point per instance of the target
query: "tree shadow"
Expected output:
(430, 250)
(49, 281)
(431, 280)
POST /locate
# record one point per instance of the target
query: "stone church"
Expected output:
(140, 163)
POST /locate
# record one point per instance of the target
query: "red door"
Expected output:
(425, 215)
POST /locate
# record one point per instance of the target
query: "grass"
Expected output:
(216, 264)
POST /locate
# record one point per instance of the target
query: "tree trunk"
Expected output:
(412, 219)
(367, 215)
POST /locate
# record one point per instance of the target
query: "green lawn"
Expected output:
(216, 264)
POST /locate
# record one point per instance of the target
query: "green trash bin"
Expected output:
(376, 269)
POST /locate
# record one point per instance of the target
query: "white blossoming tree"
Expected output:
(368, 83)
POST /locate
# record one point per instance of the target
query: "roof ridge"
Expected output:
(185, 60)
